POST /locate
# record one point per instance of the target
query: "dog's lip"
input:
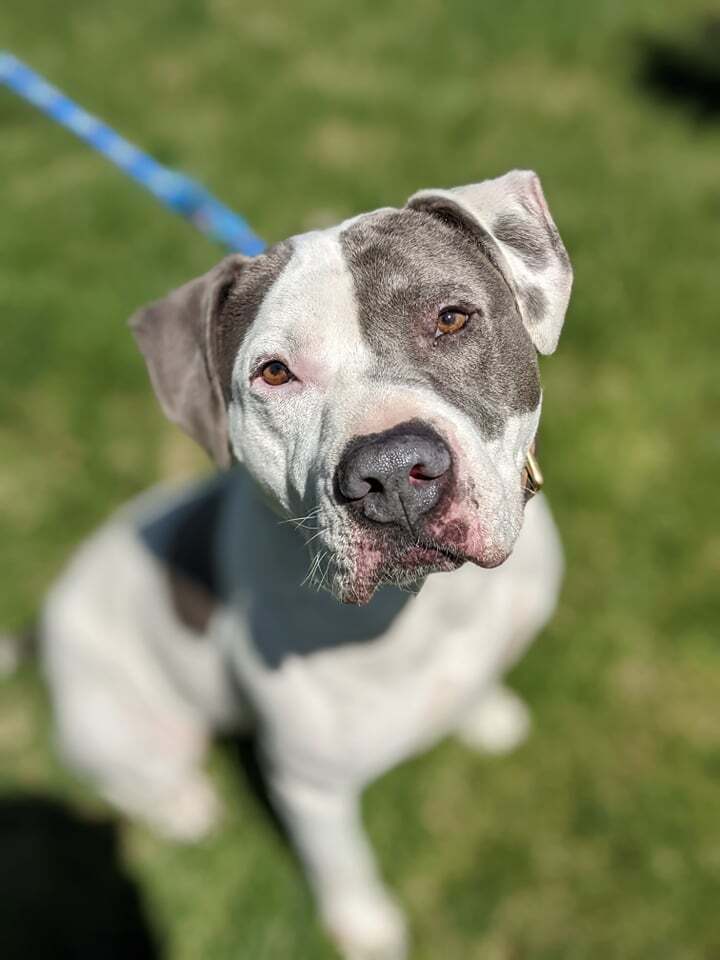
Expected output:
(416, 552)
(457, 557)
(445, 551)
(432, 550)
(414, 555)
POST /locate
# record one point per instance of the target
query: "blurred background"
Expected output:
(600, 837)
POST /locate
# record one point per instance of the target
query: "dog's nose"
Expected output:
(396, 476)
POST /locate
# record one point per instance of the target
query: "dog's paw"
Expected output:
(188, 815)
(368, 926)
(497, 724)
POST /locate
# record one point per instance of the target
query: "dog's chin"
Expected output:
(406, 568)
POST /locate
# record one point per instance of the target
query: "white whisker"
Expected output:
(313, 568)
(302, 521)
(314, 536)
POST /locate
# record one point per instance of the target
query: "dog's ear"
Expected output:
(510, 220)
(178, 338)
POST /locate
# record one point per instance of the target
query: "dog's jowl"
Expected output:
(355, 582)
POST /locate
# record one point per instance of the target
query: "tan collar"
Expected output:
(532, 477)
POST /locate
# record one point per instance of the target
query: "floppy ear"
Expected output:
(178, 338)
(510, 220)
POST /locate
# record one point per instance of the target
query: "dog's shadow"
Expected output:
(685, 69)
(243, 753)
(65, 893)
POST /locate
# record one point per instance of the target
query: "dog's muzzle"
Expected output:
(394, 477)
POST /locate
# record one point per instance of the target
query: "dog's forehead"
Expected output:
(360, 295)
(312, 298)
(383, 259)
(304, 290)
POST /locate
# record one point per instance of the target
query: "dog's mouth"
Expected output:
(403, 561)
(426, 553)
(443, 557)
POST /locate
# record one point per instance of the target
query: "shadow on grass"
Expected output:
(243, 752)
(64, 892)
(686, 69)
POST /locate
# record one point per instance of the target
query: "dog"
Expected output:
(357, 581)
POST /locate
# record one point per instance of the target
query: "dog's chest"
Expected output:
(356, 710)
(385, 716)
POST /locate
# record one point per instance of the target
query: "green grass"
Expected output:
(600, 838)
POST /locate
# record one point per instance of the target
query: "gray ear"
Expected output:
(511, 220)
(178, 338)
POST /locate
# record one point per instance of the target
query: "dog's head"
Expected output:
(378, 379)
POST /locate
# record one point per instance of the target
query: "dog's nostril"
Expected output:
(356, 488)
(373, 485)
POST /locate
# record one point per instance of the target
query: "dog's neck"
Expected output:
(267, 576)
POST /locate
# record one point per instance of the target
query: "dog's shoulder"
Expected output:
(179, 528)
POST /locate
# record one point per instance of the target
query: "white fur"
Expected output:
(136, 695)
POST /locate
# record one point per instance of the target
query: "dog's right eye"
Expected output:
(275, 373)
(450, 320)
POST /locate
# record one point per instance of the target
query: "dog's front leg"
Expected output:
(326, 828)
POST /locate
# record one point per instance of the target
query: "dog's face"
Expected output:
(379, 378)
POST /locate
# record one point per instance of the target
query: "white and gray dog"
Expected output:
(375, 388)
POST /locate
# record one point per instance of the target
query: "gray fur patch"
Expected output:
(552, 235)
(183, 539)
(535, 304)
(529, 240)
(407, 266)
(240, 303)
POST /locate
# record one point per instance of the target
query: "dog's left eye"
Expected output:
(450, 320)
(275, 373)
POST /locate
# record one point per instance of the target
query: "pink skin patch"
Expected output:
(448, 541)
(458, 530)
(373, 566)
(457, 526)
(367, 571)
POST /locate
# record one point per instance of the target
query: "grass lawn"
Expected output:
(600, 838)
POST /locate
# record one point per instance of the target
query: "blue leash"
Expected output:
(175, 190)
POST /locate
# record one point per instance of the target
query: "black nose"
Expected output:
(396, 476)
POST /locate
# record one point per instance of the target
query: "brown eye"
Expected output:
(275, 373)
(450, 321)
